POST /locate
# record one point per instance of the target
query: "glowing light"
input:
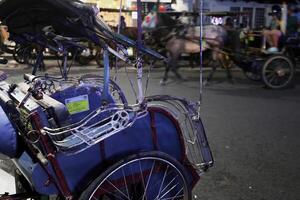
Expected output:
(216, 20)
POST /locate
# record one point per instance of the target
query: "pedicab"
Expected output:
(78, 137)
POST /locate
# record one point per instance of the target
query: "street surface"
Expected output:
(254, 134)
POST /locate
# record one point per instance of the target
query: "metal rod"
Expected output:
(120, 15)
(65, 64)
(38, 62)
(106, 73)
(139, 45)
(119, 30)
(201, 53)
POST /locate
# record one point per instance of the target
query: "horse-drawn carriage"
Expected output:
(275, 70)
(78, 137)
(247, 49)
(226, 47)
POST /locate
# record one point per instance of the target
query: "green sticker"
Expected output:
(78, 104)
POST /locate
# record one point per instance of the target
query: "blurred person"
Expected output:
(184, 19)
(150, 19)
(273, 34)
(123, 24)
(297, 14)
(4, 33)
(229, 23)
(292, 22)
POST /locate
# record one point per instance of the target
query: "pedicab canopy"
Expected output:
(67, 17)
(31, 16)
(70, 18)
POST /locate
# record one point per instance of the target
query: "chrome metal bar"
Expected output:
(106, 73)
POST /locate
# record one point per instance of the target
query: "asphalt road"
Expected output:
(254, 134)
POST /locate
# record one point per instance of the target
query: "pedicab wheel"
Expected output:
(278, 72)
(150, 175)
(253, 76)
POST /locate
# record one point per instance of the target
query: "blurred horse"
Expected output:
(181, 38)
(130, 32)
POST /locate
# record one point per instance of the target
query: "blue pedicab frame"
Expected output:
(162, 138)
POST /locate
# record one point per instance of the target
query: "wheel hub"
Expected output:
(280, 72)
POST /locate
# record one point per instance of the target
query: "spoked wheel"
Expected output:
(85, 57)
(84, 60)
(252, 76)
(21, 53)
(151, 175)
(278, 72)
(31, 57)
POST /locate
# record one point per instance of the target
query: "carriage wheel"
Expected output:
(278, 72)
(84, 59)
(151, 175)
(253, 76)
(31, 57)
(21, 53)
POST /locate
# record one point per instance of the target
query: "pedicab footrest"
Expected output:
(94, 128)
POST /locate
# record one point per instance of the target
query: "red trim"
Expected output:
(185, 160)
(153, 129)
(33, 154)
(177, 126)
(51, 156)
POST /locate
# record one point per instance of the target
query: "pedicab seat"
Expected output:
(8, 136)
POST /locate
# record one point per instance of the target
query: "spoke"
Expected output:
(141, 172)
(271, 67)
(269, 70)
(169, 184)
(117, 189)
(181, 196)
(276, 81)
(126, 183)
(176, 195)
(148, 180)
(162, 182)
(272, 79)
(270, 75)
(108, 193)
(157, 183)
(170, 190)
(132, 178)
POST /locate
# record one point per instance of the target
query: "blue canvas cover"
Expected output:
(80, 169)
(8, 136)
(157, 131)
